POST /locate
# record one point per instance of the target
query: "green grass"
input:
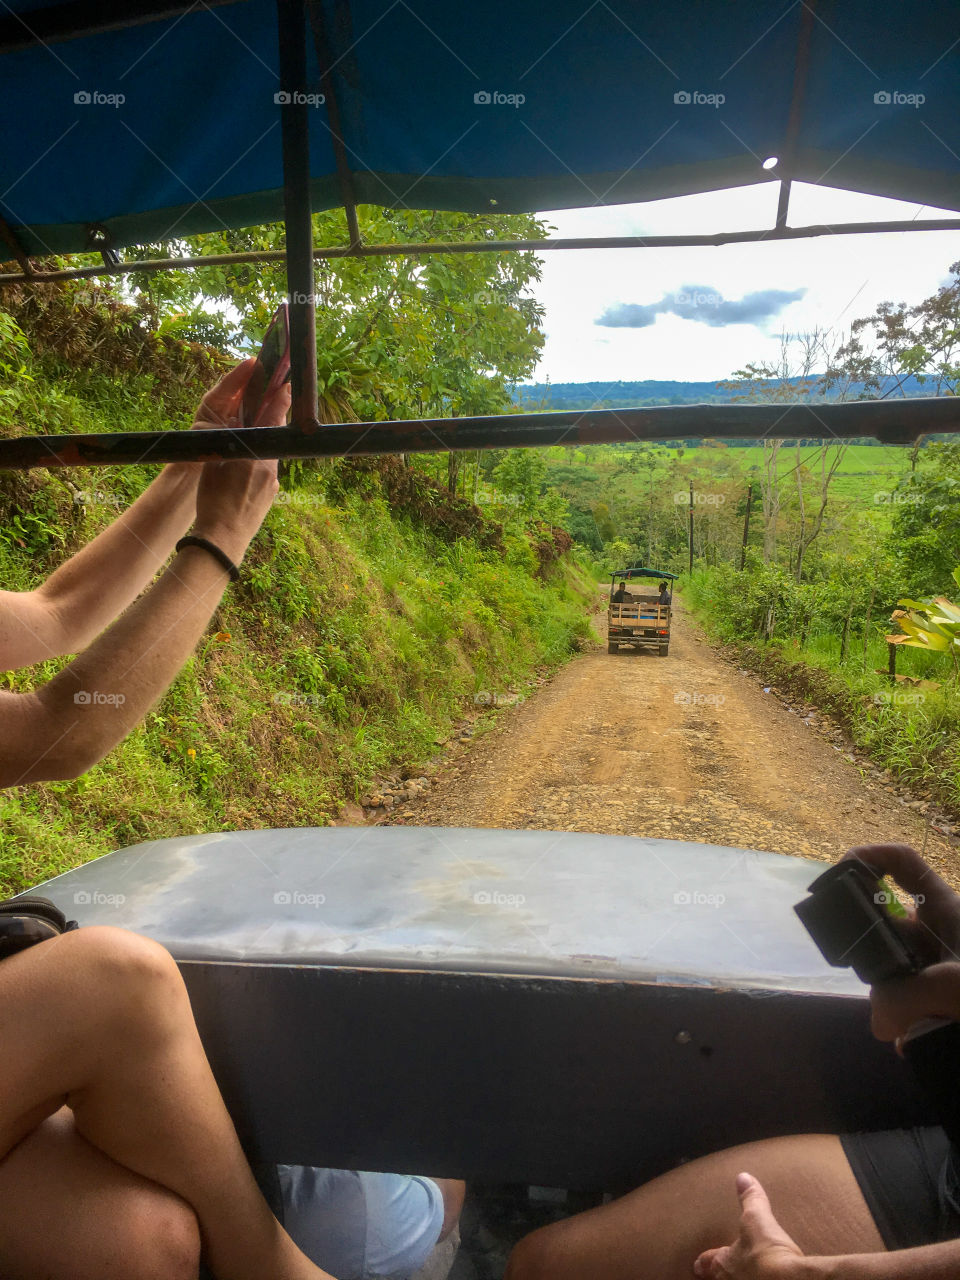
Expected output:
(864, 471)
(912, 731)
(354, 643)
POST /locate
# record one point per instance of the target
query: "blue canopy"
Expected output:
(137, 133)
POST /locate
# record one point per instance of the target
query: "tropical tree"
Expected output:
(796, 375)
(924, 541)
(406, 337)
(931, 624)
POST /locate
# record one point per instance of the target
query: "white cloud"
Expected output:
(843, 277)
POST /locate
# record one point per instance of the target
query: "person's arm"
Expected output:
(932, 929)
(930, 1262)
(65, 727)
(81, 597)
(85, 594)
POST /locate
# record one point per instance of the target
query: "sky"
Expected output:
(688, 314)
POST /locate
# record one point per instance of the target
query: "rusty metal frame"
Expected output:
(894, 422)
(428, 249)
(891, 421)
(295, 125)
(798, 95)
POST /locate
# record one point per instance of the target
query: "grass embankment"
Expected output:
(358, 636)
(913, 731)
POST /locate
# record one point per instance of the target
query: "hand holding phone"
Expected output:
(855, 920)
(271, 370)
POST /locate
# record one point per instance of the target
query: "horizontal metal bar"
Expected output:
(68, 21)
(893, 422)
(498, 246)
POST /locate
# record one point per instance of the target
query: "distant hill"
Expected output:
(620, 395)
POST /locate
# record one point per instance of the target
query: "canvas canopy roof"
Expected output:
(644, 573)
(131, 122)
(167, 122)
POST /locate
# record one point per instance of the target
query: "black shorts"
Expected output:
(910, 1179)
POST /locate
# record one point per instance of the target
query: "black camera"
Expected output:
(851, 916)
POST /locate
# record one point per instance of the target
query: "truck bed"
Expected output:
(542, 1007)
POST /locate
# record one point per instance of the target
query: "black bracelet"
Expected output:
(192, 540)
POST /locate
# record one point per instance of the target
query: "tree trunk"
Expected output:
(866, 625)
(770, 499)
(846, 632)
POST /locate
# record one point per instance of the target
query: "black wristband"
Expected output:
(192, 540)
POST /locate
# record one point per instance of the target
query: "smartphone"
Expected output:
(851, 915)
(272, 368)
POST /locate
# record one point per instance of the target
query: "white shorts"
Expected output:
(361, 1225)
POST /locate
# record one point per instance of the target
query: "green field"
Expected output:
(864, 471)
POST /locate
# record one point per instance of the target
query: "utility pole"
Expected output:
(746, 527)
(690, 527)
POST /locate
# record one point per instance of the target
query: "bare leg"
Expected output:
(71, 1212)
(99, 1019)
(657, 1232)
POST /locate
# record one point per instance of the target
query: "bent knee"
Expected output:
(158, 1239)
(535, 1257)
(119, 963)
(106, 946)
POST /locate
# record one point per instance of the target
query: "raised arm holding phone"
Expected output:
(118, 1160)
(49, 733)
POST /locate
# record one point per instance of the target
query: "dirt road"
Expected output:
(685, 747)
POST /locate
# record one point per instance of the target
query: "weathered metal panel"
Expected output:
(546, 1007)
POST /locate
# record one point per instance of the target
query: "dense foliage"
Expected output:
(380, 596)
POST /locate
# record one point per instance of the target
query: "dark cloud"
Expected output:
(705, 305)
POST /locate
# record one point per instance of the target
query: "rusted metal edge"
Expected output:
(798, 94)
(295, 126)
(715, 240)
(892, 422)
(344, 175)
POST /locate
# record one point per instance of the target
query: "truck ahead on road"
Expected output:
(637, 617)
